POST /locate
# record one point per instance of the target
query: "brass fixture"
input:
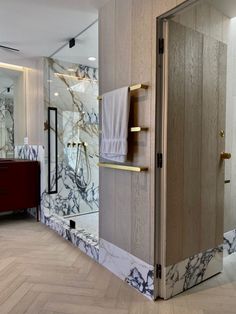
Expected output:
(138, 129)
(222, 133)
(134, 129)
(83, 144)
(77, 144)
(122, 167)
(225, 155)
(132, 88)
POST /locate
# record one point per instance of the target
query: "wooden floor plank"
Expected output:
(41, 273)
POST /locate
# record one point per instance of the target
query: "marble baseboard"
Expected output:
(192, 271)
(229, 242)
(85, 241)
(127, 267)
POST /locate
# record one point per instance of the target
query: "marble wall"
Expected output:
(73, 90)
(6, 127)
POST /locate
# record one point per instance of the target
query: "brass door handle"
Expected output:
(225, 155)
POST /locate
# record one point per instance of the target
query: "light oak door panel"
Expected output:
(192, 138)
(196, 114)
(209, 156)
(175, 143)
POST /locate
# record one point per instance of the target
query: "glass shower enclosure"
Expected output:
(72, 132)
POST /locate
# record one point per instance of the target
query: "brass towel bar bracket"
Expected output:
(122, 167)
(132, 88)
(134, 129)
(138, 129)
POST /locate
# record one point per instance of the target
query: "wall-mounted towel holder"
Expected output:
(132, 88)
(132, 129)
(122, 167)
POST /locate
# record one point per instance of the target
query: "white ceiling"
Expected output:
(86, 45)
(227, 7)
(40, 27)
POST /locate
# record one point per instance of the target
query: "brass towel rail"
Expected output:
(132, 88)
(122, 167)
(134, 129)
(138, 129)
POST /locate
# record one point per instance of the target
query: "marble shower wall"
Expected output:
(6, 127)
(74, 93)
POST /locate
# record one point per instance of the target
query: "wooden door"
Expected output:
(196, 101)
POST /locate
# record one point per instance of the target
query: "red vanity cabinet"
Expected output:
(19, 184)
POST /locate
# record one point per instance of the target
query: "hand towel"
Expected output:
(115, 120)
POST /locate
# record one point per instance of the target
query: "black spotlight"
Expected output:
(8, 89)
(72, 43)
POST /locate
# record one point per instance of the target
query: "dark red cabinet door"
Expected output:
(19, 185)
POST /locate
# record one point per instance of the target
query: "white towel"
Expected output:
(115, 120)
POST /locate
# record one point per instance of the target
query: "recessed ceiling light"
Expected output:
(71, 70)
(56, 94)
(92, 59)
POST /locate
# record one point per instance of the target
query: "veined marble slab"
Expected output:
(192, 271)
(127, 267)
(230, 242)
(85, 241)
(78, 121)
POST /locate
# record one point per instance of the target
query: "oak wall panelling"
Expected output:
(128, 39)
(127, 33)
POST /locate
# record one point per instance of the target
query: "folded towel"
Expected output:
(115, 120)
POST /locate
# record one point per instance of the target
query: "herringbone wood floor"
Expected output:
(42, 273)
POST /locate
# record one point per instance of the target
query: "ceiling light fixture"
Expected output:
(11, 66)
(56, 94)
(71, 70)
(92, 59)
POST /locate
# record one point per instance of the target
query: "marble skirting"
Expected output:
(192, 271)
(230, 242)
(85, 241)
(127, 267)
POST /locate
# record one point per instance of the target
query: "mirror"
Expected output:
(12, 109)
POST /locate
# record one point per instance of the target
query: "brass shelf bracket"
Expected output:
(122, 167)
(132, 88)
